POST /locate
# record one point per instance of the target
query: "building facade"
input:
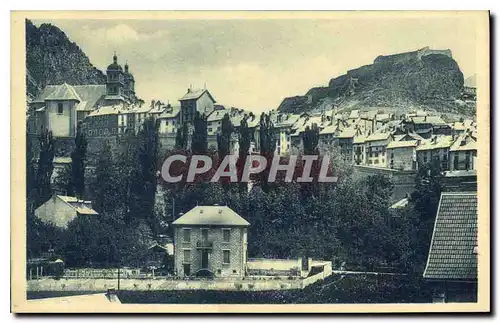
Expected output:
(210, 241)
(196, 101)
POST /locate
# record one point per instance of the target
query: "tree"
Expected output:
(310, 138)
(143, 186)
(243, 149)
(267, 146)
(106, 185)
(224, 137)
(199, 144)
(78, 163)
(181, 138)
(45, 167)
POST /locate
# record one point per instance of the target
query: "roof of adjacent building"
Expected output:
(434, 120)
(81, 206)
(402, 144)
(64, 92)
(436, 142)
(400, 204)
(464, 142)
(196, 94)
(359, 139)
(171, 112)
(453, 250)
(217, 115)
(107, 110)
(211, 215)
(378, 136)
(88, 95)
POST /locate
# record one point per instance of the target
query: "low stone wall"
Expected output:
(96, 285)
(257, 283)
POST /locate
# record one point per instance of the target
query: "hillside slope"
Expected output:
(429, 79)
(51, 58)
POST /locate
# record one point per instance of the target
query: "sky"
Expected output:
(254, 64)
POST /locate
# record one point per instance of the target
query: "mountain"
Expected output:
(427, 79)
(51, 58)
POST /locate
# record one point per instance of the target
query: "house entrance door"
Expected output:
(204, 259)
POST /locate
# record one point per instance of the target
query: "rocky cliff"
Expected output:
(51, 58)
(429, 79)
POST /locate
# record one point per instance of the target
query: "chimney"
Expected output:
(189, 90)
(152, 103)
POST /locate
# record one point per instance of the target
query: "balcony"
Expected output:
(204, 244)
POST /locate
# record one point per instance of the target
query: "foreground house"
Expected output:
(452, 261)
(61, 210)
(210, 240)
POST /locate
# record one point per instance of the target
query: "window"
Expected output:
(186, 235)
(59, 108)
(204, 234)
(226, 235)
(187, 256)
(226, 257)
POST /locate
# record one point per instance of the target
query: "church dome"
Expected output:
(114, 66)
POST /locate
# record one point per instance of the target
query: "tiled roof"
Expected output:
(217, 115)
(170, 113)
(90, 95)
(434, 120)
(378, 136)
(81, 206)
(107, 110)
(453, 250)
(402, 144)
(464, 142)
(211, 215)
(195, 94)
(436, 142)
(64, 92)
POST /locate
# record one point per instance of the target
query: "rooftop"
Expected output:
(402, 144)
(453, 250)
(195, 94)
(64, 92)
(211, 215)
(81, 206)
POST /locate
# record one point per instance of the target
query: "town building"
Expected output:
(61, 210)
(210, 240)
(376, 148)
(196, 101)
(169, 120)
(358, 150)
(463, 152)
(452, 262)
(402, 155)
(437, 149)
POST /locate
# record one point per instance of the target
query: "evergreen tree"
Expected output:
(267, 146)
(78, 163)
(143, 186)
(199, 144)
(45, 167)
(181, 138)
(106, 186)
(244, 147)
(224, 137)
(310, 138)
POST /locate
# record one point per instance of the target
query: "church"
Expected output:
(59, 108)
